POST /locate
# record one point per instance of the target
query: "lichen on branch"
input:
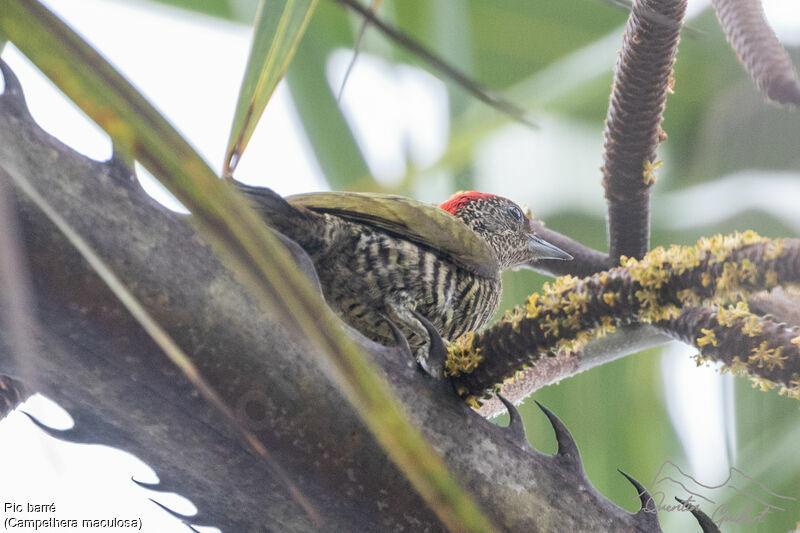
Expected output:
(666, 289)
(766, 351)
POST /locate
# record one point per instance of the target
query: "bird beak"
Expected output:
(542, 249)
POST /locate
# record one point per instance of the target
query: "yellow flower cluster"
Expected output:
(762, 383)
(532, 307)
(557, 298)
(649, 171)
(761, 356)
(560, 309)
(767, 357)
(737, 367)
(560, 306)
(731, 315)
(569, 346)
(462, 356)
(720, 246)
(708, 337)
(470, 399)
(656, 268)
(689, 297)
(740, 315)
(793, 390)
(515, 316)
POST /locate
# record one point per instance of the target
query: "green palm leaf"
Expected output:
(279, 26)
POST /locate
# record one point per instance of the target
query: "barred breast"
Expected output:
(369, 274)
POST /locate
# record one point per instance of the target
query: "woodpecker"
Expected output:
(426, 268)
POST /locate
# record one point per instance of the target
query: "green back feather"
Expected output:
(418, 222)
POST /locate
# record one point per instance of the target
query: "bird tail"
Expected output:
(296, 222)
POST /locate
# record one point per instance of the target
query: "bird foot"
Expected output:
(434, 364)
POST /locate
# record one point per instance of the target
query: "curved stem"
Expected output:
(642, 80)
(758, 49)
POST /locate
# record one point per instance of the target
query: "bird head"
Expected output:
(505, 226)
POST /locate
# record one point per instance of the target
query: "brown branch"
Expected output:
(562, 321)
(762, 55)
(642, 79)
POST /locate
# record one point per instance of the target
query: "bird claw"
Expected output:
(437, 349)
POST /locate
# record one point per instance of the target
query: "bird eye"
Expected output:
(516, 213)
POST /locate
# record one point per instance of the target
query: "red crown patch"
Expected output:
(462, 199)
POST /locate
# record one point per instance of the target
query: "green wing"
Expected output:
(422, 223)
